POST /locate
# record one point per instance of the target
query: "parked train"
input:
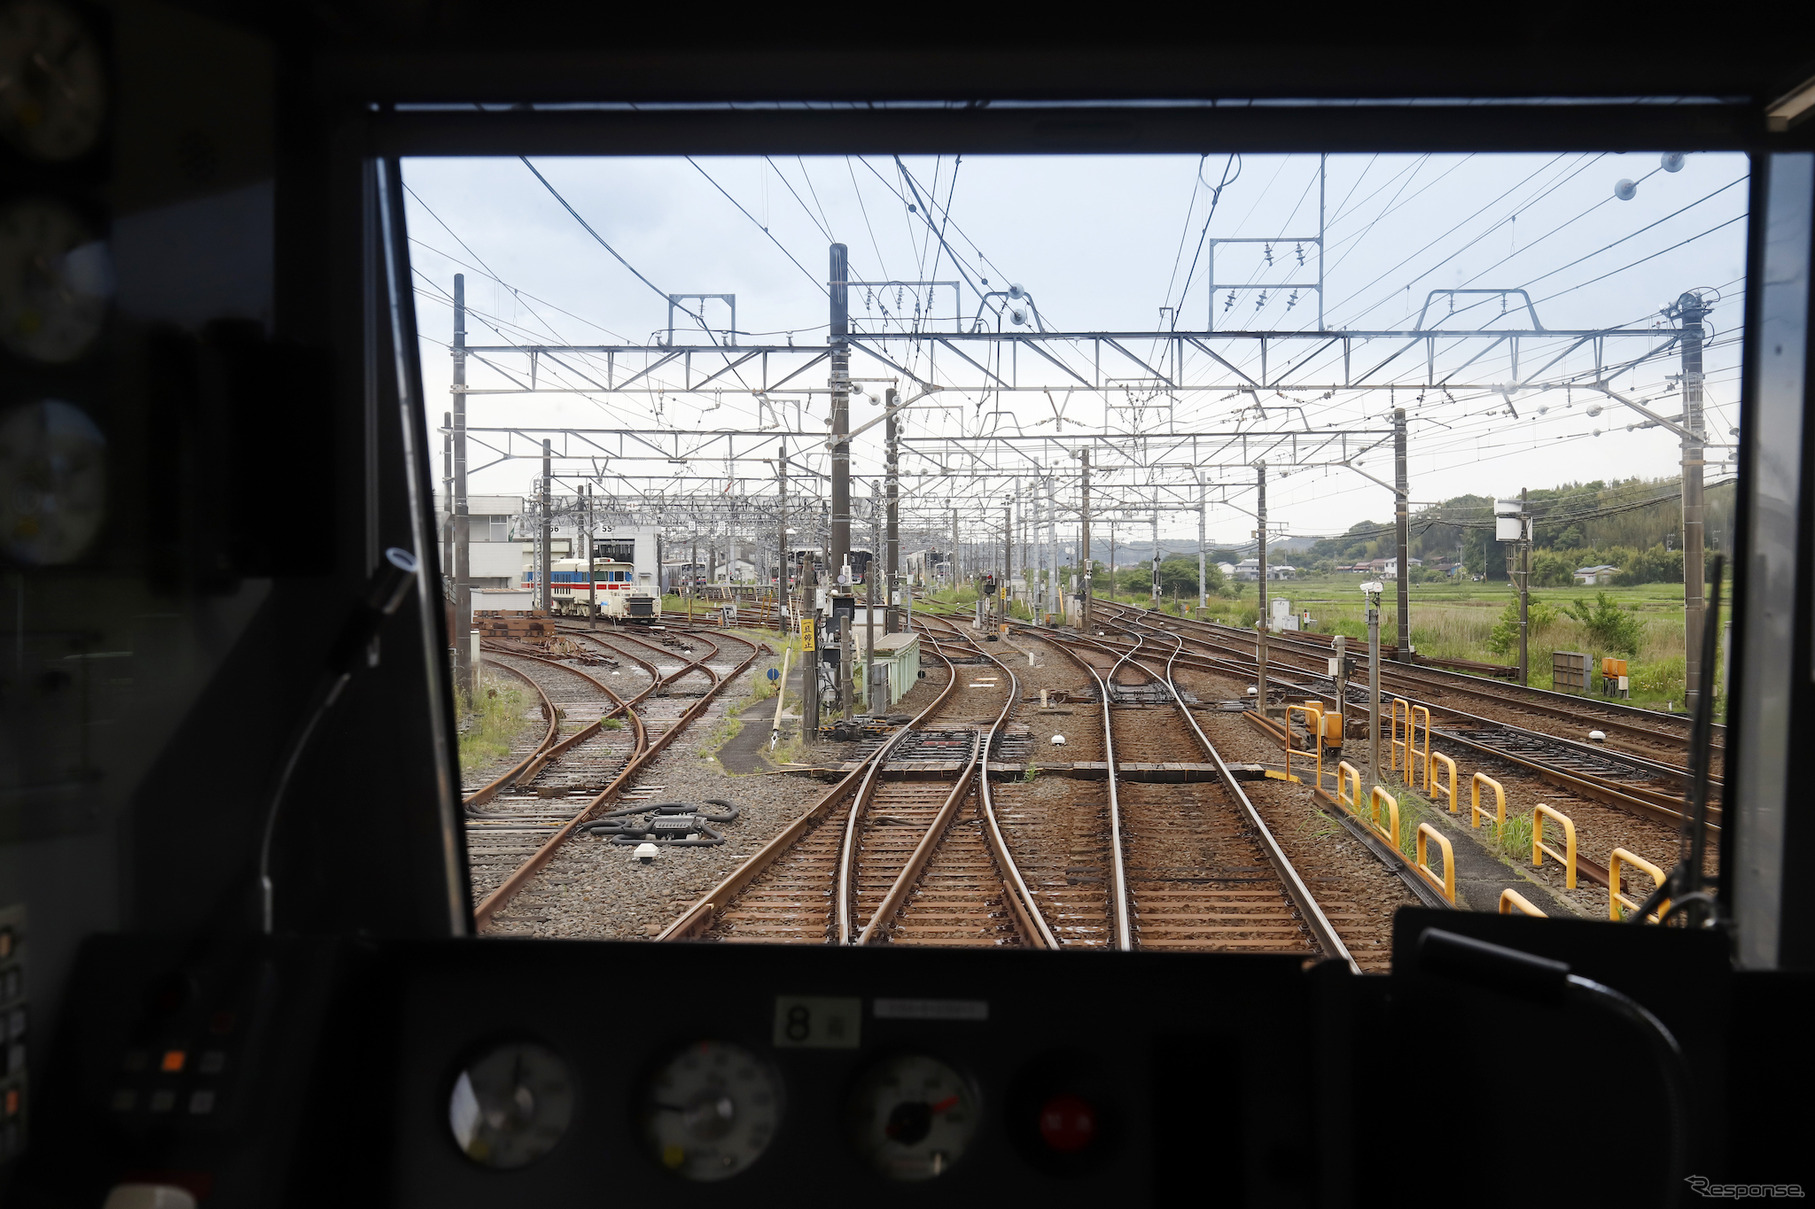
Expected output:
(620, 589)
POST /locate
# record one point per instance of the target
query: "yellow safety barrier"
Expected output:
(1395, 743)
(1615, 899)
(1419, 709)
(1311, 712)
(1405, 751)
(1448, 884)
(1539, 847)
(1392, 804)
(1511, 900)
(1474, 800)
(1448, 791)
(1345, 774)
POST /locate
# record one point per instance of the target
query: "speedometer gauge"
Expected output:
(912, 1117)
(511, 1105)
(712, 1110)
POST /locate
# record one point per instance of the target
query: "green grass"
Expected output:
(487, 733)
(1456, 620)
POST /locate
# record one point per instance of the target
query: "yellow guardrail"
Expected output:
(1347, 773)
(1448, 791)
(1396, 746)
(1448, 882)
(1539, 848)
(1511, 900)
(1426, 765)
(1405, 751)
(1615, 900)
(1313, 715)
(1392, 804)
(1474, 800)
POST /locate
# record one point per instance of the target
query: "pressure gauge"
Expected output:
(53, 483)
(56, 280)
(512, 1105)
(53, 90)
(912, 1116)
(712, 1110)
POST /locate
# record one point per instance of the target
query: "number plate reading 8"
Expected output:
(817, 1022)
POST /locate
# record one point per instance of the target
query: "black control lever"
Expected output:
(1542, 980)
(356, 645)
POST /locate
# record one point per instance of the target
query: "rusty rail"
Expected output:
(644, 751)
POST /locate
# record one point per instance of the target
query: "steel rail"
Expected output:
(1664, 807)
(846, 883)
(699, 916)
(643, 753)
(1321, 929)
(486, 793)
(1033, 923)
(1118, 873)
(1547, 701)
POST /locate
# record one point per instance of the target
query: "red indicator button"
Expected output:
(1068, 1124)
(173, 1061)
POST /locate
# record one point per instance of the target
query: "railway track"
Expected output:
(510, 843)
(1190, 866)
(948, 859)
(1663, 737)
(1612, 775)
(913, 858)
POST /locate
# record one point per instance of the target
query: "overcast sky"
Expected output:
(1103, 243)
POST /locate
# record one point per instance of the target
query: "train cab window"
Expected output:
(1087, 616)
(1532, 361)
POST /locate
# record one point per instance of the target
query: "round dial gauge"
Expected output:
(55, 282)
(912, 1116)
(53, 483)
(53, 91)
(512, 1105)
(712, 1110)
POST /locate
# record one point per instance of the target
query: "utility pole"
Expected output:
(1203, 584)
(1112, 564)
(1524, 587)
(592, 572)
(1156, 555)
(811, 659)
(463, 572)
(954, 559)
(1260, 631)
(1689, 311)
(869, 641)
(1084, 539)
(1401, 526)
(891, 466)
(544, 578)
(838, 332)
(1373, 686)
(781, 537)
(1008, 557)
(1055, 592)
(693, 569)
(447, 494)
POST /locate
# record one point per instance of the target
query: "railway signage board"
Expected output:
(774, 674)
(806, 634)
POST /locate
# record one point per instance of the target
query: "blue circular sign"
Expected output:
(774, 673)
